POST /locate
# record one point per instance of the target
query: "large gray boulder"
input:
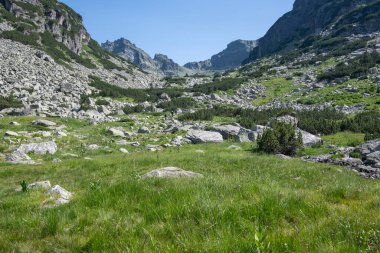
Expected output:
(39, 148)
(371, 153)
(227, 131)
(18, 157)
(117, 132)
(309, 139)
(171, 172)
(199, 136)
(44, 123)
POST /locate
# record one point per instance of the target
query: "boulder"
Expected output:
(18, 157)
(309, 139)
(199, 136)
(143, 130)
(227, 131)
(123, 150)
(93, 147)
(171, 172)
(116, 132)
(11, 134)
(39, 148)
(370, 147)
(59, 196)
(283, 157)
(44, 123)
(44, 185)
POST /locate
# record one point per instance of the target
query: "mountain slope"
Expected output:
(49, 61)
(230, 58)
(314, 17)
(160, 64)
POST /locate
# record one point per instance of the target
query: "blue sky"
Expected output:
(185, 30)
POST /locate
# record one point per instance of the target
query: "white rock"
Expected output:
(199, 136)
(11, 133)
(171, 172)
(123, 150)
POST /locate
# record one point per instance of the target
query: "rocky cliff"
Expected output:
(38, 16)
(159, 65)
(318, 17)
(230, 58)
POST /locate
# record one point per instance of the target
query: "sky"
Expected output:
(185, 30)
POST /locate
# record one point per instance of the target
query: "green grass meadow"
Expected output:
(288, 206)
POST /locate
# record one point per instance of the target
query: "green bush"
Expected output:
(102, 102)
(9, 102)
(281, 139)
(18, 36)
(133, 109)
(176, 103)
(221, 85)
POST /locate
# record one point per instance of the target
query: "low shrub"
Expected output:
(281, 139)
(9, 102)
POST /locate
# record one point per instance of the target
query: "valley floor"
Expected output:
(245, 202)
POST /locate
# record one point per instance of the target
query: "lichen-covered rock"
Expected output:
(199, 136)
(42, 148)
(171, 172)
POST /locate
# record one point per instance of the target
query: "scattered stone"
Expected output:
(56, 160)
(122, 142)
(234, 147)
(44, 185)
(93, 147)
(59, 196)
(39, 148)
(284, 157)
(171, 172)
(143, 130)
(14, 123)
(116, 132)
(123, 150)
(44, 123)
(18, 157)
(309, 140)
(11, 133)
(199, 136)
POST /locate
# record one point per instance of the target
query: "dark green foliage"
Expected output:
(24, 186)
(325, 121)
(176, 103)
(9, 102)
(366, 122)
(85, 102)
(139, 95)
(59, 52)
(281, 139)
(355, 68)
(102, 102)
(133, 109)
(18, 36)
(175, 80)
(221, 85)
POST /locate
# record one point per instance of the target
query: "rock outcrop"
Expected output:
(232, 57)
(160, 64)
(318, 17)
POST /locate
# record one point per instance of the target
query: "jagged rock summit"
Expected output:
(232, 57)
(319, 17)
(160, 64)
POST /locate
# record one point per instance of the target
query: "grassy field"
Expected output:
(288, 206)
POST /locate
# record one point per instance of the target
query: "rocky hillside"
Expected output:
(160, 64)
(232, 57)
(49, 61)
(319, 17)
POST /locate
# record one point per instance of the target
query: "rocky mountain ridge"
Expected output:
(310, 18)
(160, 64)
(231, 57)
